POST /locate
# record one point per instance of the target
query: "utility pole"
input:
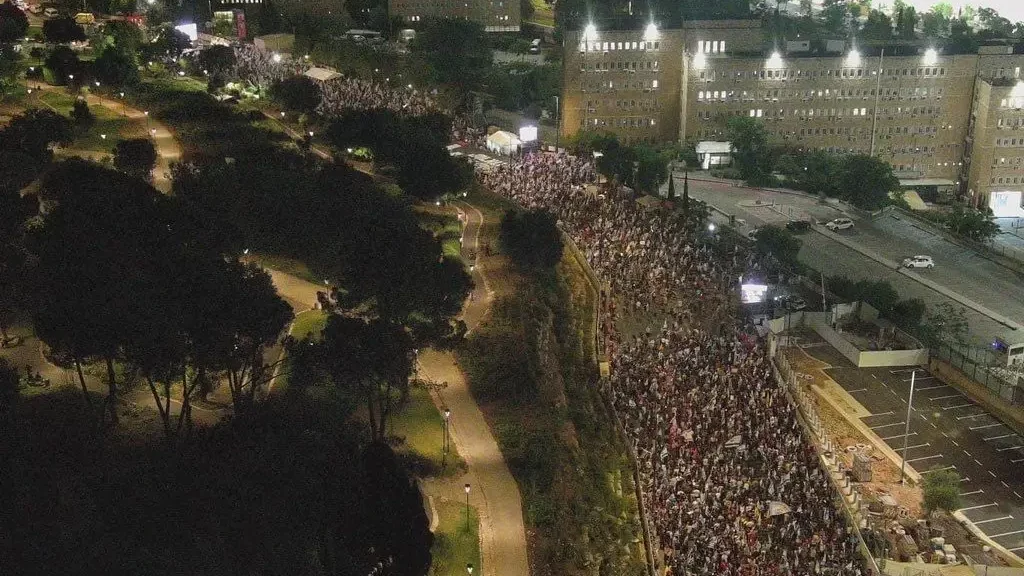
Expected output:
(906, 429)
(558, 123)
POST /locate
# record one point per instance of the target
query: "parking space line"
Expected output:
(985, 426)
(979, 491)
(918, 446)
(857, 390)
(978, 507)
(945, 397)
(880, 414)
(1018, 460)
(971, 416)
(1015, 549)
(1016, 494)
(919, 378)
(976, 522)
(952, 467)
(902, 370)
(932, 387)
(978, 462)
(1009, 448)
(887, 425)
(997, 437)
(1006, 534)
(1003, 482)
(991, 473)
(958, 406)
(925, 458)
(899, 436)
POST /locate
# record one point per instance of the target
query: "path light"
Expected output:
(310, 134)
(469, 569)
(103, 136)
(276, 57)
(152, 132)
(282, 114)
(246, 251)
(349, 150)
(181, 72)
(97, 83)
(711, 227)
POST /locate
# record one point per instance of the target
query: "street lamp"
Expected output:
(445, 442)
(853, 58)
(469, 569)
(467, 516)
(276, 58)
(711, 227)
(103, 136)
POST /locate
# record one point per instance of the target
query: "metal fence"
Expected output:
(978, 365)
(847, 498)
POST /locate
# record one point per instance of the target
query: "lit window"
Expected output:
(654, 84)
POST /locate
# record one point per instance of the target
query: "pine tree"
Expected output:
(686, 193)
(671, 188)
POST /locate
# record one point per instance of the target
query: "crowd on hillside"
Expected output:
(350, 93)
(732, 486)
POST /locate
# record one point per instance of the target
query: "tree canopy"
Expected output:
(135, 156)
(458, 51)
(62, 30)
(531, 238)
(297, 93)
(13, 23)
(750, 144)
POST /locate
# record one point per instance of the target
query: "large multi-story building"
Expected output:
(941, 121)
(493, 15)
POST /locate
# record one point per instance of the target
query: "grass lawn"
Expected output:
(543, 13)
(287, 265)
(445, 227)
(455, 543)
(419, 423)
(309, 323)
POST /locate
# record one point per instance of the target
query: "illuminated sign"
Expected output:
(753, 293)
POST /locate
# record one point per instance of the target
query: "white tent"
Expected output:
(711, 153)
(322, 74)
(502, 142)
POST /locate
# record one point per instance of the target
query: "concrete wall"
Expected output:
(875, 358)
(847, 349)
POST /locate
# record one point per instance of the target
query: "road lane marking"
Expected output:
(985, 426)
(972, 492)
(972, 416)
(976, 522)
(1009, 448)
(899, 436)
(958, 406)
(993, 536)
(997, 437)
(925, 458)
(887, 425)
(978, 507)
(946, 397)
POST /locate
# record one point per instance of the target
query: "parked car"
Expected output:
(798, 226)
(51, 13)
(85, 18)
(839, 224)
(919, 262)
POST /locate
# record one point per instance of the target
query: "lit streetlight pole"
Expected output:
(906, 429)
(467, 512)
(469, 569)
(445, 437)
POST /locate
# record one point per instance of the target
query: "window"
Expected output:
(654, 84)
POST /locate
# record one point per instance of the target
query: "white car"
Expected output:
(919, 262)
(839, 224)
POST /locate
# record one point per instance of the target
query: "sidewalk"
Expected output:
(493, 489)
(956, 296)
(167, 148)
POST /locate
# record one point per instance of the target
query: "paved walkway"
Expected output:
(167, 148)
(493, 489)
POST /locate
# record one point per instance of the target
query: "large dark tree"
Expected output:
(116, 67)
(531, 238)
(13, 23)
(135, 156)
(457, 51)
(62, 62)
(62, 30)
(373, 359)
(750, 146)
(297, 93)
(865, 181)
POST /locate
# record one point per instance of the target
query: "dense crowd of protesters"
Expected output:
(732, 486)
(350, 93)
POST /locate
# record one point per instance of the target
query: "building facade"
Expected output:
(947, 121)
(493, 15)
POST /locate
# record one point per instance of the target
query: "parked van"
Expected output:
(50, 13)
(85, 18)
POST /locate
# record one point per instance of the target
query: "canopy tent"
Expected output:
(502, 142)
(322, 74)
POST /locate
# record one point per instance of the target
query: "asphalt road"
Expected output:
(957, 268)
(947, 431)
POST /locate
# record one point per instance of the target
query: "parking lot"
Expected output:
(947, 432)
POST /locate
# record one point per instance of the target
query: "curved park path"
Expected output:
(167, 148)
(494, 492)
